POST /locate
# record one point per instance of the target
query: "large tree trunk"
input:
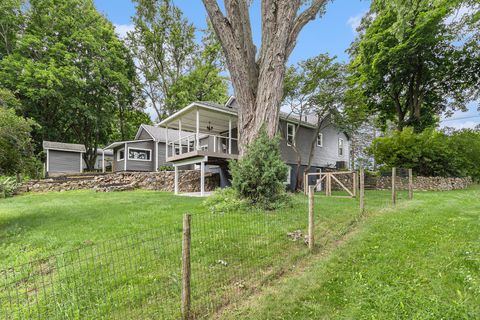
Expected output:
(258, 80)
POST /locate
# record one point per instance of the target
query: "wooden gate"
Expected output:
(328, 178)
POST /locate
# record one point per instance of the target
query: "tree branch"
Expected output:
(300, 22)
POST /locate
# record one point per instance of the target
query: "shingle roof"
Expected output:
(51, 145)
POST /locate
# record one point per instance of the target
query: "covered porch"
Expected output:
(207, 135)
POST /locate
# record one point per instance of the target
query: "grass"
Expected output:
(420, 261)
(123, 254)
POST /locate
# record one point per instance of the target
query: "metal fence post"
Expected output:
(410, 184)
(394, 192)
(186, 270)
(362, 190)
(311, 218)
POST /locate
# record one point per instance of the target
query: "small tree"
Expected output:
(260, 174)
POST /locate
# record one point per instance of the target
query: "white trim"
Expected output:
(176, 180)
(156, 155)
(198, 130)
(118, 154)
(141, 149)
(202, 178)
(289, 176)
(66, 150)
(186, 162)
(230, 136)
(229, 101)
(342, 154)
(320, 135)
(125, 157)
(81, 163)
(119, 143)
(103, 161)
(144, 128)
(48, 160)
(289, 125)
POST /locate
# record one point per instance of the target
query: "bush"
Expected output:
(166, 168)
(8, 186)
(259, 175)
(225, 200)
(431, 153)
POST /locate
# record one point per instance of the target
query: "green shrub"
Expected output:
(8, 186)
(259, 175)
(431, 152)
(166, 168)
(225, 200)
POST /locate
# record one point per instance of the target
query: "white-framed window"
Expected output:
(290, 134)
(139, 154)
(320, 140)
(289, 176)
(340, 147)
(121, 154)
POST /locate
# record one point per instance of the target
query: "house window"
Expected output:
(121, 154)
(340, 147)
(320, 140)
(139, 154)
(290, 134)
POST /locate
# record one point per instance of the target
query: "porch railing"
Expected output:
(206, 142)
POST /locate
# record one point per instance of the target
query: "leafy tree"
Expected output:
(16, 149)
(126, 126)
(431, 152)
(11, 22)
(259, 176)
(163, 44)
(315, 88)
(71, 73)
(204, 81)
(258, 77)
(410, 63)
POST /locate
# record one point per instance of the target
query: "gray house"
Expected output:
(146, 152)
(63, 158)
(209, 138)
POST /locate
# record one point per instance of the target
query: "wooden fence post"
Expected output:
(186, 270)
(354, 184)
(311, 218)
(394, 192)
(362, 190)
(410, 184)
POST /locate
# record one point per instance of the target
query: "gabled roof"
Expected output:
(159, 134)
(72, 147)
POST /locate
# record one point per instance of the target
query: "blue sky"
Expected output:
(331, 34)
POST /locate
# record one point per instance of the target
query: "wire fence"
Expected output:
(139, 276)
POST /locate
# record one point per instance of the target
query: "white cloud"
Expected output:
(122, 29)
(458, 125)
(354, 22)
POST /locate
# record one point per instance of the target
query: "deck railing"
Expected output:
(218, 144)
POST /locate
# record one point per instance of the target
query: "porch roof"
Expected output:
(211, 115)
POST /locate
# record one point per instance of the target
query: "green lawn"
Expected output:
(420, 261)
(118, 256)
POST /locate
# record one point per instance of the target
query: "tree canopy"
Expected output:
(411, 62)
(173, 68)
(71, 73)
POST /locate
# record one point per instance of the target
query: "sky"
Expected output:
(332, 33)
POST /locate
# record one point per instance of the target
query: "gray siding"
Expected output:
(135, 165)
(63, 161)
(144, 135)
(325, 156)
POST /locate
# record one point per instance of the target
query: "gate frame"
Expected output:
(328, 176)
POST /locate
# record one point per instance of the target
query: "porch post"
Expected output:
(48, 160)
(103, 160)
(202, 178)
(81, 163)
(230, 136)
(180, 135)
(176, 179)
(198, 130)
(125, 157)
(166, 142)
(156, 155)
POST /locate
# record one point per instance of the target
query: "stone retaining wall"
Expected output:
(189, 181)
(425, 183)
